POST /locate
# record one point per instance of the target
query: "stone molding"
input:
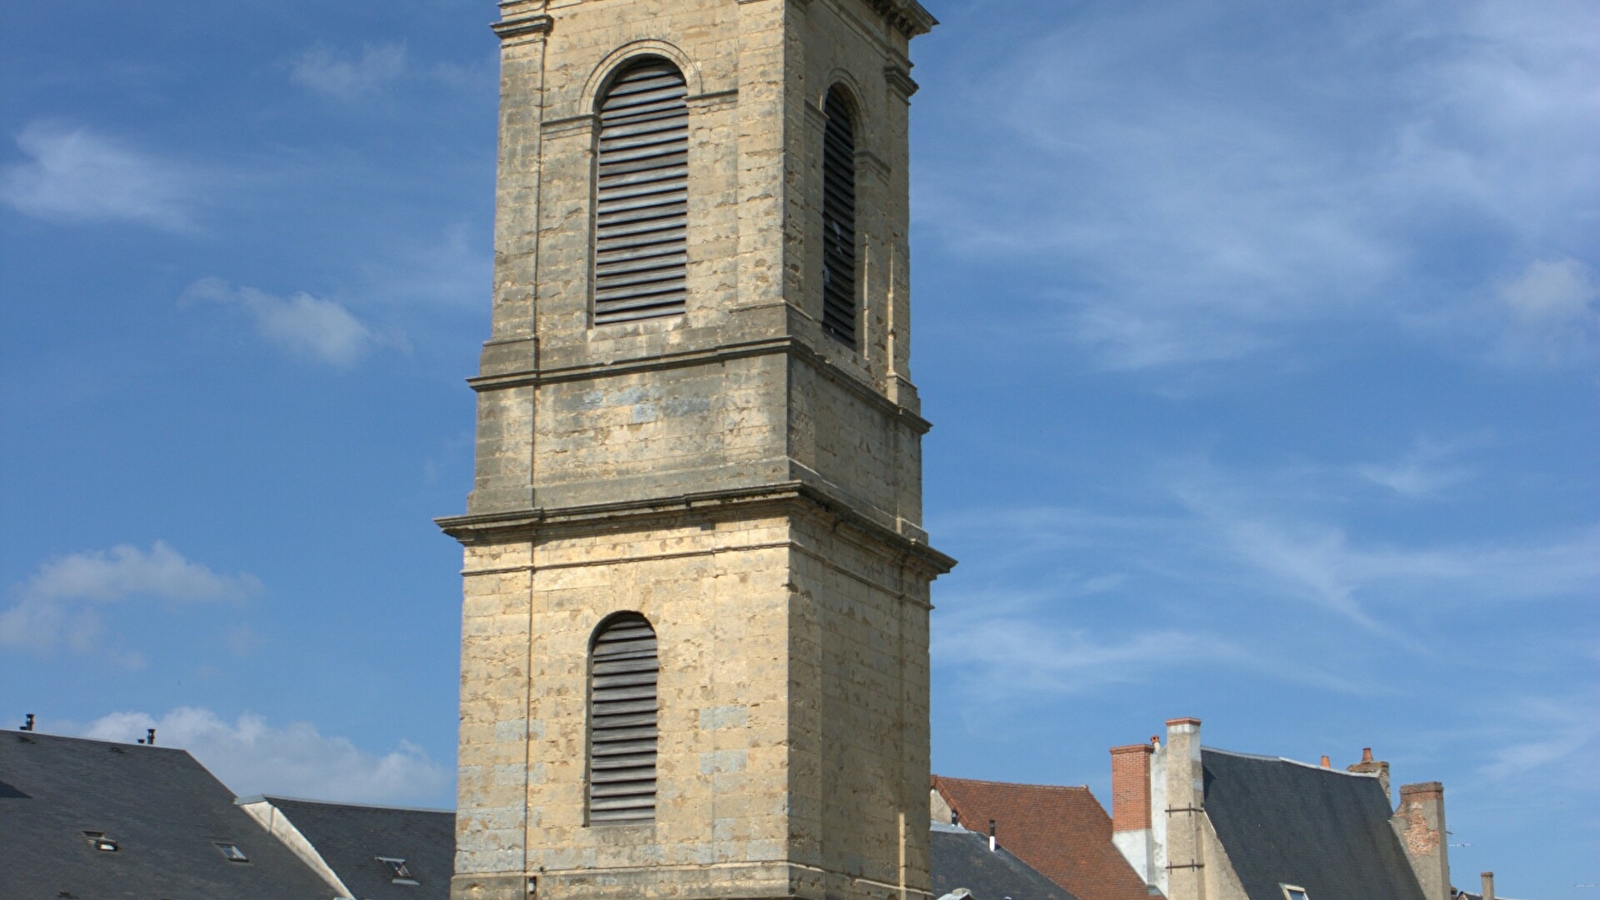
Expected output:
(906, 15)
(900, 81)
(522, 29)
(785, 498)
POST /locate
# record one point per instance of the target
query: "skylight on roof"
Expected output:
(230, 852)
(398, 873)
(1291, 892)
(99, 841)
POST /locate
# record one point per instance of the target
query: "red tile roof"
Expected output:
(1061, 831)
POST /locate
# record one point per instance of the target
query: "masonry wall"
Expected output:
(749, 485)
(793, 696)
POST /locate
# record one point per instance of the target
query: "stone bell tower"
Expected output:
(695, 627)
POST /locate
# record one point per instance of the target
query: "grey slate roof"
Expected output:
(1283, 822)
(163, 809)
(350, 838)
(961, 859)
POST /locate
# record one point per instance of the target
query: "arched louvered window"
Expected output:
(622, 722)
(839, 221)
(642, 194)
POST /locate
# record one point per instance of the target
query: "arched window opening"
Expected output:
(839, 221)
(623, 669)
(642, 195)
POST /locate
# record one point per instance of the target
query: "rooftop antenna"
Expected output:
(27, 724)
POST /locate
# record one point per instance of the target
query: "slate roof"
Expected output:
(160, 806)
(1063, 832)
(350, 838)
(961, 859)
(1284, 822)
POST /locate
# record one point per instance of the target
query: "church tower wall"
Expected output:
(746, 482)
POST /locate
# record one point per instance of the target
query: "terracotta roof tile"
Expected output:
(1063, 832)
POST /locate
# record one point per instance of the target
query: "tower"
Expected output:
(696, 585)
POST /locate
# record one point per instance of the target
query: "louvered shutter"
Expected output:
(839, 223)
(641, 250)
(622, 723)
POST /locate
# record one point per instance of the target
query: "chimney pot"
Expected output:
(1326, 762)
(1488, 886)
(1366, 754)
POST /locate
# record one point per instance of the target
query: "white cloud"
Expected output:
(1551, 314)
(75, 175)
(57, 602)
(252, 757)
(307, 326)
(322, 70)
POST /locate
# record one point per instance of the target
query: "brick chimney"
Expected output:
(1370, 766)
(1185, 809)
(1131, 807)
(1420, 824)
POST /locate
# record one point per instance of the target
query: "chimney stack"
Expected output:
(1131, 808)
(1185, 805)
(1370, 766)
(1420, 823)
(1488, 886)
(1130, 787)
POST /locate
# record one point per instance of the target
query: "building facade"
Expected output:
(696, 583)
(1204, 824)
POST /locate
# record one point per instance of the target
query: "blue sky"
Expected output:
(1262, 342)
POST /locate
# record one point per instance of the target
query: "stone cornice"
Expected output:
(785, 498)
(906, 15)
(900, 80)
(518, 28)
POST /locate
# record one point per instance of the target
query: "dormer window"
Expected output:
(398, 873)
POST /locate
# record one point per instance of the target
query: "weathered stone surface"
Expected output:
(749, 485)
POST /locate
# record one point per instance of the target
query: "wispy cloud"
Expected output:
(346, 76)
(1295, 556)
(57, 604)
(1425, 471)
(307, 326)
(1186, 208)
(1238, 568)
(251, 756)
(76, 175)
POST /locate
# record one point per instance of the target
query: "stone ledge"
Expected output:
(787, 498)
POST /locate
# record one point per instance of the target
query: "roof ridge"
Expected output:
(1050, 787)
(31, 735)
(275, 798)
(1294, 762)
